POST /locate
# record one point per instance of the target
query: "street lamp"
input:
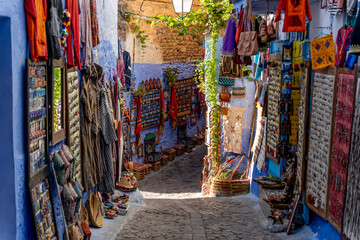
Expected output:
(182, 7)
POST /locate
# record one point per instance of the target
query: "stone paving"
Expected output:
(175, 209)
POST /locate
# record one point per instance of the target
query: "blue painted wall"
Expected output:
(7, 173)
(144, 71)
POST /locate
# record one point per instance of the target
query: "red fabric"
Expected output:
(162, 112)
(74, 34)
(138, 121)
(36, 14)
(342, 42)
(295, 11)
(173, 108)
(240, 27)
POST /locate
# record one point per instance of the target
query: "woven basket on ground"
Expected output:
(180, 148)
(155, 166)
(140, 172)
(171, 153)
(231, 187)
(225, 187)
(164, 159)
(147, 169)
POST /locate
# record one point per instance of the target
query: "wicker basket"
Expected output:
(179, 149)
(225, 187)
(147, 169)
(155, 166)
(164, 159)
(140, 171)
(171, 153)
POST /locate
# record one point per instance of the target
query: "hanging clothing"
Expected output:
(162, 112)
(295, 11)
(138, 122)
(127, 67)
(355, 37)
(173, 108)
(90, 127)
(73, 52)
(229, 44)
(36, 14)
(53, 24)
(239, 27)
(342, 42)
(85, 33)
(108, 136)
(94, 24)
(335, 6)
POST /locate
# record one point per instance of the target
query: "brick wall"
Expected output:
(162, 45)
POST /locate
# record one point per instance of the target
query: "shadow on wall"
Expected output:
(7, 173)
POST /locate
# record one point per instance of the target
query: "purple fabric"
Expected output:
(229, 44)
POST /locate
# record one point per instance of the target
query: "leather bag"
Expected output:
(248, 44)
(225, 96)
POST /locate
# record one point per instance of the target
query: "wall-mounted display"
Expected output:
(132, 130)
(140, 151)
(324, 82)
(340, 148)
(150, 107)
(233, 126)
(166, 94)
(133, 115)
(37, 143)
(183, 96)
(273, 118)
(57, 90)
(73, 118)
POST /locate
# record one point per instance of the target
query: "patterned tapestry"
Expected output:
(341, 147)
(273, 123)
(322, 52)
(351, 226)
(233, 125)
(319, 142)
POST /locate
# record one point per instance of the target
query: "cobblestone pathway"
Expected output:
(175, 209)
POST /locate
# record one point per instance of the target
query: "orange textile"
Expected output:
(35, 13)
(295, 11)
(322, 52)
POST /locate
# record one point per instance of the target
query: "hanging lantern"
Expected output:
(182, 7)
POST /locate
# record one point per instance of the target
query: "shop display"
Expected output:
(273, 117)
(151, 155)
(58, 96)
(351, 228)
(183, 96)
(340, 148)
(150, 107)
(302, 113)
(37, 145)
(320, 139)
(73, 118)
(233, 128)
(43, 211)
(183, 136)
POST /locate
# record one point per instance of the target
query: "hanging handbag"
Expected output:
(224, 98)
(248, 44)
(239, 91)
(226, 81)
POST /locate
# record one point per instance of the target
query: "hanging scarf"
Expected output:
(342, 41)
(138, 122)
(240, 26)
(162, 112)
(173, 108)
(229, 38)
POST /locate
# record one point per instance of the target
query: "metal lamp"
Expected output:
(182, 7)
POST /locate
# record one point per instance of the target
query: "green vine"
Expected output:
(57, 99)
(171, 75)
(140, 34)
(210, 17)
(140, 91)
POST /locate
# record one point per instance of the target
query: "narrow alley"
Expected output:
(176, 209)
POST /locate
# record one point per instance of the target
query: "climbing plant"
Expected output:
(209, 17)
